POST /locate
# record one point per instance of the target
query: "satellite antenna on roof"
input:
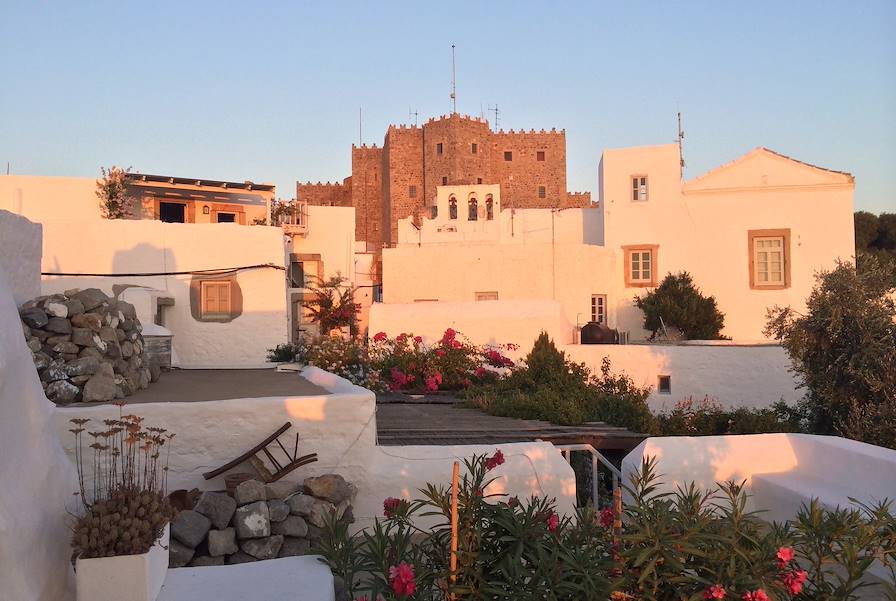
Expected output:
(453, 84)
(412, 114)
(495, 111)
(679, 139)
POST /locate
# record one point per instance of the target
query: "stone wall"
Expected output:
(86, 346)
(326, 194)
(257, 521)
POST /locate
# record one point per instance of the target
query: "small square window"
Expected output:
(508, 155)
(478, 180)
(444, 180)
(439, 148)
(541, 192)
(639, 188)
(215, 299)
(412, 191)
(539, 156)
(664, 385)
(474, 148)
(487, 296)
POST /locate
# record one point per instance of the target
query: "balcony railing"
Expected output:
(296, 220)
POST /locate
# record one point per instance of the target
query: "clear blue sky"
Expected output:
(270, 91)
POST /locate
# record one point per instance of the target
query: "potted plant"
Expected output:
(120, 536)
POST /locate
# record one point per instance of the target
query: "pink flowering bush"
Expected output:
(405, 362)
(685, 546)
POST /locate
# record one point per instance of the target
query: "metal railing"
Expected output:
(597, 459)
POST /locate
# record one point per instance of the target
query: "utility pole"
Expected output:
(453, 84)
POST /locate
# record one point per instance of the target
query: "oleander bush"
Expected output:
(682, 546)
(708, 418)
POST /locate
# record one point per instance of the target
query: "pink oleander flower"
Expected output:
(607, 517)
(553, 521)
(440, 353)
(390, 506)
(379, 337)
(494, 461)
(784, 555)
(508, 362)
(715, 591)
(480, 371)
(401, 579)
(449, 335)
(456, 344)
(431, 384)
(418, 339)
(793, 581)
(513, 501)
(401, 338)
(757, 595)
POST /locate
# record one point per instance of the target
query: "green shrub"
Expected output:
(290, 352)
(844, 351)
(678, 303)
(708, 418)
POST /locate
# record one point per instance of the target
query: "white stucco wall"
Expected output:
(126, 246)
(38, 480)
(42, 198)
(331, 234)
(483, 322)
(735, 376)
(801, 466)
(701, 226)
(20, 250)
(340, 427)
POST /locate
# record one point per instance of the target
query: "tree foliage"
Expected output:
(875, 238)
(115, 196)
(844, 350)
(678, 303)
(332, 305)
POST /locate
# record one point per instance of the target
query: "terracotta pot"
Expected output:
(126, 577)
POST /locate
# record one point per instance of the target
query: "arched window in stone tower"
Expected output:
(474, 209)
(489, 207)
(452, 207)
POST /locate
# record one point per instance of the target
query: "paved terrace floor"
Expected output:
(190, 385)
(446, 423)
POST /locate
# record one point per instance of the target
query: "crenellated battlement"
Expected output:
(365, 147)
(321, 184)
(457, 116)
(531, 132)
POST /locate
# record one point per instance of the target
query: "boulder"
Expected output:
(89, 351)
(34, 317)
(330, 487)
(249, 491)
(41, 335)
(41, 360)
(54, 340)
(206, 560)
(279, 511)
(91, 321)
(60, 325)
(127, 310)
(239, 557)
(217, 507)
(281, 489)
(54, 371)
(84, 366)
(291, 526)
(74, 306)
(127, 348)
(100, 387)
(293, 547)
(34, 344)
(66, 348)
(252, 520)
(62, 391)
(190, 527)
(26, 331)
(321, 512)
(178, 555)
(91, 298)
(56, 309)
(107, 334)
(222, 542)
(300, 504)
(262, 548)
(83, 336)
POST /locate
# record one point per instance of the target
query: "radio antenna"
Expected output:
(680, 151)
(453, 84)
(495, 111)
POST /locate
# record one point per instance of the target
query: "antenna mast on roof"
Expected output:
(412, 114)
(360, 136)
(453, 84)
(495, 111)
(680, 154)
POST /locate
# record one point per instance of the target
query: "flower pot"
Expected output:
(126, 577)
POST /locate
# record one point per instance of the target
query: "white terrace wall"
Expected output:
(42, 198)
(341, 428)
(483, 322)
(733, 375)
(20, 243)
(38, 479)
(331, 234)
(147, 246)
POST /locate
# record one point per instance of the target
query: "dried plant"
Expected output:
(112, 190)
(122, 486)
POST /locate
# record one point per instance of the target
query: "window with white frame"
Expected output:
(599, 308)
(639, 187)
(640, 265)
(769, 258)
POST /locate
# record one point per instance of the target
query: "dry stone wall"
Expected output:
(86, 346)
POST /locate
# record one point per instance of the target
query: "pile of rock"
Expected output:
(259, 521)
(86, 346)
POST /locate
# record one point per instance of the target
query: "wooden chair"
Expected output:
(292, 462)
